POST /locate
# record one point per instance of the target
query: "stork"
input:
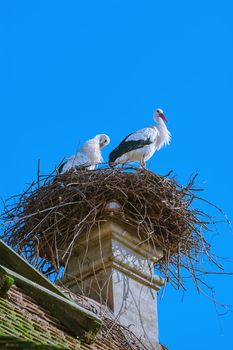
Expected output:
(142, 144)
(88, 155)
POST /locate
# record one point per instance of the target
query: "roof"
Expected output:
(35, 314)
(27, 325)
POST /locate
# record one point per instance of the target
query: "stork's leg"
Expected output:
(143, 163)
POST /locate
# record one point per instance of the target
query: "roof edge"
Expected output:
(80, 322)
(12, 260)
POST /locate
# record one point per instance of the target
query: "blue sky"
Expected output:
(72, 69)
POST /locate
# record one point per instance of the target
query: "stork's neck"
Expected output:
(164, 133)
(160, 123)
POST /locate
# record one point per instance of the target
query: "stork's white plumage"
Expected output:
(141, 145)
(89, 154)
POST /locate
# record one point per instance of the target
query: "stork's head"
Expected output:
(159, 114)
(103, 140)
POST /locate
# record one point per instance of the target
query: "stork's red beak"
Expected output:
(163, 117)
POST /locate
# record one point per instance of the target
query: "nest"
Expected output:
(54, 211)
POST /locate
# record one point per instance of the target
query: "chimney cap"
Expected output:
(113, 207)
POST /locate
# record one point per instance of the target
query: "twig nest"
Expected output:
(54, 212)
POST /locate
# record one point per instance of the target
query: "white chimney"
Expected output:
(112, 265)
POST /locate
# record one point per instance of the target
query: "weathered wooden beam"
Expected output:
(5, 284)
(79, 321)
(10, 259)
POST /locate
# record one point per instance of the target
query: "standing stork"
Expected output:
(142, 144)
(88, 155)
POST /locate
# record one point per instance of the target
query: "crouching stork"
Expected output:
(88, 155)
(142, 144)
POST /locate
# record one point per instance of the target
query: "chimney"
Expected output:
(113, 265)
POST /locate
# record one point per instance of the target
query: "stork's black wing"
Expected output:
(128, 145)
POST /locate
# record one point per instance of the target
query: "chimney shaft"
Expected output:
(113, 266)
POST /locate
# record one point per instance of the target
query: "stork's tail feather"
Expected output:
(112, 156)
